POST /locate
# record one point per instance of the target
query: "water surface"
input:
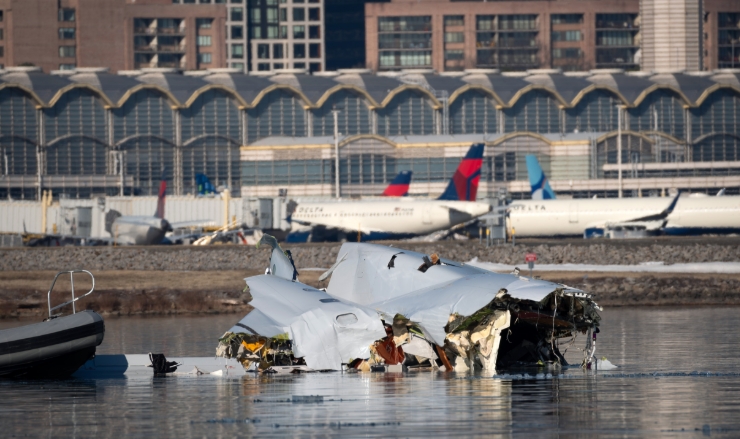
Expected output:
(661, 389)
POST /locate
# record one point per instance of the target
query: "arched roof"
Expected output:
(378, 90)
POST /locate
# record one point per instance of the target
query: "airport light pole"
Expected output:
(619, 147)
(335, 113)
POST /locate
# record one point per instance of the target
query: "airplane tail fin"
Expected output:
(541, 189)
(204, 185)
(464, 184)
(399, 187)
(160, 198)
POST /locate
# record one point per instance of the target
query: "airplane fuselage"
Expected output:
(139, 230)
(692, 215)
(392, 218)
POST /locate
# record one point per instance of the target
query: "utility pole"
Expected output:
(619, 147)
(335, 113)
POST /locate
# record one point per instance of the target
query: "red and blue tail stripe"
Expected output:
(399, 187)
(464, 184)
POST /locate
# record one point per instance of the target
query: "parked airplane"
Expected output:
(398, 218)
(143, 230)
(591, 217)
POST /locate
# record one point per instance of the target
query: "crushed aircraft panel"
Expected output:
(387, 306)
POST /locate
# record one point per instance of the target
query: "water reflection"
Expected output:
(642, 341)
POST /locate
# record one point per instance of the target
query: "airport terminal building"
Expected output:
(87, 132)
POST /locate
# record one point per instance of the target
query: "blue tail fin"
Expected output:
(204, 185)
(464, 184)
(541, 189)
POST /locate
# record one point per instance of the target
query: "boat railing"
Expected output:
(72, 281)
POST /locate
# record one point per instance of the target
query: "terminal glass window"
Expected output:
(404, 42)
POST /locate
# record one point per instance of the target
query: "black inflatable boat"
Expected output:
(54, 348)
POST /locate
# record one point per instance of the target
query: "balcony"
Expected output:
(160, 48)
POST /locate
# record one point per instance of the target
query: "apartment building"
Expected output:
(454, 35)
(184, 34)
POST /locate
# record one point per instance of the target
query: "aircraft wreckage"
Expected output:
(387, 308)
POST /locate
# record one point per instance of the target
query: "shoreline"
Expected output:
(136, 293)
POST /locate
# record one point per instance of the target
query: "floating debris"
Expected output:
(387, 308)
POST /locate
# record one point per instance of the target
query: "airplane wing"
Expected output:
(193, 223)
(660, 216)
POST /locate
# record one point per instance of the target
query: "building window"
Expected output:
(314, 50)
(204, 58)
(485, 22)
(2, 34)
(314, 67)
(67, 51)
(204, 40)
(299, 31)
(299, 51)
(237, 14)
(1, 15)
(277, 51)
(567, 18)
(237, 51)
(263, 51)
(66, 14)
(405, 41)
(454, 54)
(299, 65)
(454, 37)
(314, 14)
(237, 65)
(236, 1)
(203, 23)
(568, 35)
(67, 66)
(566, 53)
(66, 33)
(2, 51)
(278, 65)
(257, 32)
(263, 67)
(299, 14)
(314, 32)
(283, 32)
(237, 32)
(454, 20)
(283, 14)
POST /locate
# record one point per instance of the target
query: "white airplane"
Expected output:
(397, 218)
(144, 230)
(593, 217)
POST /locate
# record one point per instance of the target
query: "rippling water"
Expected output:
(640, 399)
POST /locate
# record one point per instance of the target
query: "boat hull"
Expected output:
(52, 349)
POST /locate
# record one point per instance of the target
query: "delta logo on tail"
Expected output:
(399, 187)
(541, 189)
(464, 184)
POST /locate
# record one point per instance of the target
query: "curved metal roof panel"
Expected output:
(631, 87)
(248, 87)
(377, 87)
(41, 84)
(691, 86)
(568, 87)
(180, 86)
(313, 87)
(113, 86)
(505, 87)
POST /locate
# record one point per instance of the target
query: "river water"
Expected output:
(677, 377)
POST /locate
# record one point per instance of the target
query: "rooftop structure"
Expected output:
(89, 131)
